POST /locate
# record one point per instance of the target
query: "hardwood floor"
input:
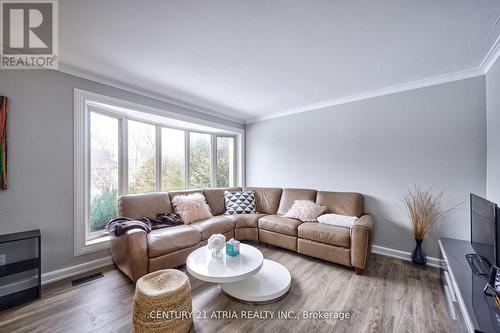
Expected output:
(392, 296)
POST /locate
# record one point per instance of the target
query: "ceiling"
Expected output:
(249, 60)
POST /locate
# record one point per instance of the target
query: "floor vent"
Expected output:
(87, 278)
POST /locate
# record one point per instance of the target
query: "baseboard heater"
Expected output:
(87, 278)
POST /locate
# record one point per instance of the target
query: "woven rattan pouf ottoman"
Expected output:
(162, 302)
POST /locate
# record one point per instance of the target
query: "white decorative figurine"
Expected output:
(216, 244)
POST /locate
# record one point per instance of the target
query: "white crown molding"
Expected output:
(432, 81)
(491, 57)
(489, 60)
(84, 74)
(403, 255)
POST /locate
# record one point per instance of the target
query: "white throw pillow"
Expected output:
(305, 210)
(338, 220)
(191, 207)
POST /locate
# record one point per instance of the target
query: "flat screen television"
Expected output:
(485, 229)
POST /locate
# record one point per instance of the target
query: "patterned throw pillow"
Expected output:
(240, 202)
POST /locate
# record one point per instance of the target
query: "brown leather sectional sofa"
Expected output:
(137, 253)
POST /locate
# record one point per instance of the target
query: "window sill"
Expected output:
(102, 239)
(94, 245)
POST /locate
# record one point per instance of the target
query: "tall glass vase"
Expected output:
(418, 255)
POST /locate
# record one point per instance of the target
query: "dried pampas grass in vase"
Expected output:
(424, 208)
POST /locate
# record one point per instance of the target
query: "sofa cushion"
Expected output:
(215, 198)
(291, 194)
(245, 220)
(137, 206)
(324, 233)
(213, 225)
(171, 239)
(266, 198)
(279, 224)
(343, 203)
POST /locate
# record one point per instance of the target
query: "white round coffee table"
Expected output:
(247, 277)
(203, 266)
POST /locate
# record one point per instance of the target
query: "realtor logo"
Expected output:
(29, 34)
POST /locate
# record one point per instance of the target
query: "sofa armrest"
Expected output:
(361, 239)
(130, 253)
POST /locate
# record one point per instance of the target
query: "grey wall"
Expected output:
(493, 112)
(40, 157)
(380, 146)
(434, 135)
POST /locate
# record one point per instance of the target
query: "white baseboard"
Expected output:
(70, 271)
(403, 255)
(60, 274)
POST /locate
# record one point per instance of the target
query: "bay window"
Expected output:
(126, 151)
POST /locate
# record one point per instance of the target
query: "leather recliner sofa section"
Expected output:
(137, 253)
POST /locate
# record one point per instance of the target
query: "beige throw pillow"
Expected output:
(192, 207)
(305, 210)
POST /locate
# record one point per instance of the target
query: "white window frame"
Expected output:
(236, 160)
(84, 102)
(188, 159)
(90, 236)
